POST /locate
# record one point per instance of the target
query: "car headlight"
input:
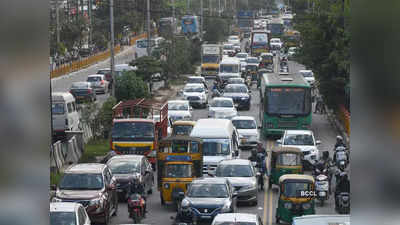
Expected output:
(244, 98)
(226, 208)
(306, 206)
(248, 187)
(166, 186)
(55, 199)
(288, 205)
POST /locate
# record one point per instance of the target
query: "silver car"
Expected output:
(237, 218)
(98, 82)
(243, 177)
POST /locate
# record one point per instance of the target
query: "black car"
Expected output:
(210, 196)
(239, 94)
(83, 92)
(132, 172)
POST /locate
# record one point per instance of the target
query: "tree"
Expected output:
(146, 66)
(129, 86)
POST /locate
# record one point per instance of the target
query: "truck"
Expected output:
(245, 20)
(138, 126)
(211, 55)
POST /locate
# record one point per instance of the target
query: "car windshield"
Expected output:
(80, 85)
(228, 47)
(182, 129)
(229, 68)
(124, 167)
(195, 80)
(216, 147)
(208, 191)
(235, 89)
(75, 181)
(57, 108)
(252, 60)
(122, 130)
(241, 55)
(210, 58)
(62, 218)
(292, 101)
(235, 81)
(307, 74)
(222, 103)
(234, 171)
(294, 189)
(178, 170)
(93, 79)
(298, 139)
(288, 159)
(244, 124)
(103, 71)
(275, 41)
(193, 89)
(178, 106)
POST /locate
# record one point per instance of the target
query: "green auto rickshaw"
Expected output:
(296, 197)
(285, 160)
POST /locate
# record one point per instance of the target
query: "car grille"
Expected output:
(193, 98)
(289, 124)
(85, 203)
(132, 150)
(207, 210)
(237, 188)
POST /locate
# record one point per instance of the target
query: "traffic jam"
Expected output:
(245, 141)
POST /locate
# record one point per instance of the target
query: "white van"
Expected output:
(64, 113)
(220, 141)
(229, 67)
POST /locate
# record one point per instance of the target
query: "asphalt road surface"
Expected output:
(267, 200)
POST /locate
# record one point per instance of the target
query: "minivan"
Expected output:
(64, 113)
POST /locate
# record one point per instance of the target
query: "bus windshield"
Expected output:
(178, 170)
(260, 38)
(288, 159)
(291, 101)
(229, 68)
(294, 189)
(132, 130)
(210, 59)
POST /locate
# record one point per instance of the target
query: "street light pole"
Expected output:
(202, 19)
(57, 22)
(148, 28)
(112, 46)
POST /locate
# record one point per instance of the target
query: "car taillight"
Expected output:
(90, 91)
(102, 82)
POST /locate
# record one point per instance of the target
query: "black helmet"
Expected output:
(325, 155)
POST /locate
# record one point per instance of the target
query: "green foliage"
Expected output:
(104, 115)
(129, 86)
(72, 33)
(147, 66)
(55, 178)
(93, 149)
(216, 30)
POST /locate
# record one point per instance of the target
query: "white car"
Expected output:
(197, 80)
(234, 39)
(222, 108)
(252, 61)
(308, 76)
(248, 131)
(305, 141)
(196, 94)
(68, 213)
(291, 52)
(179, 110)
(276, 42)
(228, 49)
(98, 83)
(237, 218)
(242, 57)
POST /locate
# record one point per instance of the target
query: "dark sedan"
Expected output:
(83, 92)
(239, 94)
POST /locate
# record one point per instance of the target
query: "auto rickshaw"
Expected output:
(285, 160)
(296, 197)
(179, 161)
(266, 59)
(182, 127)
(252, 71)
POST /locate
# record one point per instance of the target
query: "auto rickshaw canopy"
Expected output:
(299, 177)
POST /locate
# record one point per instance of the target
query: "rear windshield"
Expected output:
(92, 79)
(62, 218)
(58, 108)
(80, 85)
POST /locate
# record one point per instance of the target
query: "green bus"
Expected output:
(285, 103)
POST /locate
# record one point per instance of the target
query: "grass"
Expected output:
(93, 149)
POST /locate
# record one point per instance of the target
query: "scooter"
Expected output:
(341, 157)
(322, 188)
(184, 215)
(248, 82)
(343, 203)
(136, 207)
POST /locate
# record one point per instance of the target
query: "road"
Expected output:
(159, 215)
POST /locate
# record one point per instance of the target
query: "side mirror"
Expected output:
(317, 142)
(259, 127)
(279, 141)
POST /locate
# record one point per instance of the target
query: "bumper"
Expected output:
(83, 98)
(242, 104)
(99, 89)
(205, 217)
(247, 144)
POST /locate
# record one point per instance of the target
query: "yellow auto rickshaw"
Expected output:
(296, 197)
(266, 59)
(285, 160)
(179, 161)
(182, 127)
(252, 71)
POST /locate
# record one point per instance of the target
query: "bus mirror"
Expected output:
(259, 127)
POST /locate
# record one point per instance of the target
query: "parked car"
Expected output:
(129, 171)
(83, 92)
(248, 131)
(237, 218)
(99, 83)
(240, 95)
(196, 94)
(92, 185)
(209, 197)
(243, 177)
(179, 110)
(222, 108)
(62, 213)
(305, 141)
(107, 73)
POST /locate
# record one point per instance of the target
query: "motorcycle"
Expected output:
(341, 158)
(136, 207)
(322, 188)
(248, 81)
(343, 203)
(321, 168)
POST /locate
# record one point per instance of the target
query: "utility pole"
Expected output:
(209, 8)
(90, 20)
(219, 8)
(112, 46)
(57, 23)
(148, 28)
(202, 19)
(173, 16)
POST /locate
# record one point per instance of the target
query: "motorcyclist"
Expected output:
(342, 185)
(339, 142)
(137, 191)
(184, 213)
(343, 156)
(260, 159)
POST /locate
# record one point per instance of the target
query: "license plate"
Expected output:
(206, 217)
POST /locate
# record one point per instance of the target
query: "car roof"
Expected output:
(208, 180)
(96, 75)
(236, 217)
(81, 82)
(299, 132)
(134, 120)
(235, 162)
(194, 85)
(252, 57)
(62, 96)
(212, 128)
(304, 71)
(222, 99)
(296, 177)
(86, 168)
(64, 206)
(322, 219)
(196, 77)
(235, 78)
(235, 85)
(243, 118)
(184, 123)
(178, 101)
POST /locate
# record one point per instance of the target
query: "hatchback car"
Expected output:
(179, 110)
(196, 94)
(62, 213)
(240, 95)
(92, 185)
(308, 76)
(237, 219)
(83, 92)
(248, 131)
(305, 141)
(99, 83)
(208, 197)
(243, 177)
(222, 108)
(131, 171)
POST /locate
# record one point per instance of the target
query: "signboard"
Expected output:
(210, 50)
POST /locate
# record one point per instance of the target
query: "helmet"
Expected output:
(339, 138)
(325, 155)
(185, 205)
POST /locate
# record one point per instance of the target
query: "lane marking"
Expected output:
(270, 206)
(267, 196)
(265, 207)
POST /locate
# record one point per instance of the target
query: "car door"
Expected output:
(111, 192)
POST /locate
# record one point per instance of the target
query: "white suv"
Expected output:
(247, 129)
(305, 141)
(68, 213)
(196, 94)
